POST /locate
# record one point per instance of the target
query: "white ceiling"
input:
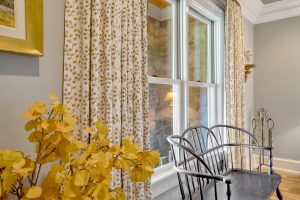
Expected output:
(257, 12)
(269, 1)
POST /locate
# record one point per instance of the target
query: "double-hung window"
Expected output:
(185, 70)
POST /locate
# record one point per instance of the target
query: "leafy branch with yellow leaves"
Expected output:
(78, 170)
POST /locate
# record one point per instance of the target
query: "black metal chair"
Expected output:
(210, 166)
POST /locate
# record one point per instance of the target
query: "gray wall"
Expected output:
(277, 81)
(25, 79)
(249, 45)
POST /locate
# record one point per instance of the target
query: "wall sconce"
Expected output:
(248, 67)
(169, 98)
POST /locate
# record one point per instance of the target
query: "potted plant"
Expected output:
(78, 170)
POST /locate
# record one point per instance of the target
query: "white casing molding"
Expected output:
(279, 10)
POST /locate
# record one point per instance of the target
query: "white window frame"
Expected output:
(165, 177)
(173, 81)
(210, 86)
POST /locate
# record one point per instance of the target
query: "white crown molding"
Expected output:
(256, 12)
(251, 9)
(279, 10)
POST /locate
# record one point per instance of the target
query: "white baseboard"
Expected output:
(287, 165)
(282, 164)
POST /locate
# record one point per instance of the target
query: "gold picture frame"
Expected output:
(34, 43)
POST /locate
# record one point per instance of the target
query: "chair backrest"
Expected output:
(200, 138)
(188, 164)
(236, 143)
(227, 134)
(202, 151)
(208, 147)
(219, 145)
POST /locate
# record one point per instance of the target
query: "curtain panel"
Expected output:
(106, 74)
(234, 74)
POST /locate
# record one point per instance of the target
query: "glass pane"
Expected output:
(160, 19)
(198, 106)
(198, 47)
(161, 119)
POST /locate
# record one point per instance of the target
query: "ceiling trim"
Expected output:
(256, 12)
(251, 9)
(279, 10)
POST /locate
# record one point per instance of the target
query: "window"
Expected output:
(185, 85)
(199, 69)
(162, 72)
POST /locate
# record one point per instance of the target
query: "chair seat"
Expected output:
(244, 186)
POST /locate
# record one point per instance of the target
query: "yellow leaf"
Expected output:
(154, 157)
(34, 192)
(55, 105)
(53, 96)
(19, 164)
(40, 107)
(70, 120)
(102, 129)
(30, 125)
(68, 135)
(79, 144)
(55, 138)
(32, 137)
(58, 178)
(45, 125)
(81, 178)
(119, 193)
(22, 170)
(70, 190)
(104, 142)
(130, 156)
(89, 130)
(71, 148)
(27, 115)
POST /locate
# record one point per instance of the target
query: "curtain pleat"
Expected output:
(106, 73)
(234, 75)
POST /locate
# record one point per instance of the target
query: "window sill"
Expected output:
(163, 180)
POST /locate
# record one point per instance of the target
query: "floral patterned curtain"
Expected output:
(105, 72)
(234, 72)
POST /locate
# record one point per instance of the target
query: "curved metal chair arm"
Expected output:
(202, 175)
(190, 151)
(234, 128)
(235, 145)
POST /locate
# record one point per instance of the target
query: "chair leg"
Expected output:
(279, 195)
